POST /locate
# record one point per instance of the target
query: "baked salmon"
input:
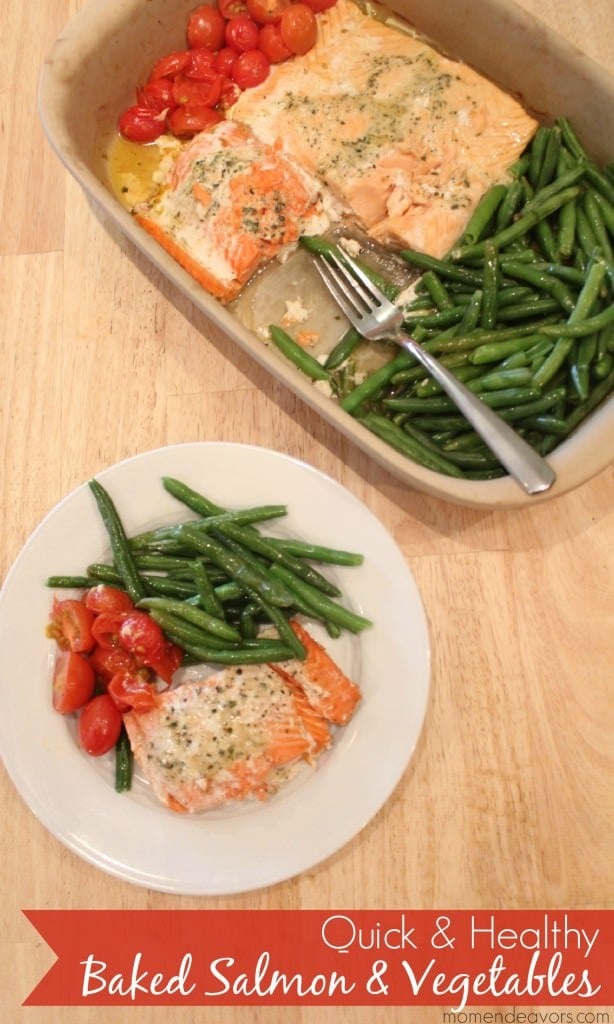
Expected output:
(229, 204)
(240, 732)
(407, 140)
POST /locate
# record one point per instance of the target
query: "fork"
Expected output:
(376, 318)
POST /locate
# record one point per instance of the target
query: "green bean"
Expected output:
(493, 351)
(283, 627)
(473, 312)
(343, 349)
(431, 387)
(603, 366)
(71, 582)
(520, 167)
(256, 514)
(560, 184)
(123, 762)
(196, 616)
(321, 603)
(584, 234)
(446, 270)
(483, 214)
(520, 227)
(256, 652)
(236, 567)
(547, 241)
(541, 279)
(510, 205)
(436, 290)
(120, 548)
(442, 318)
(597, 395)
(580, 327)
(547, 424)
(317, 552)
(262, 546)
(531, 309)
(580, 368)
(490, 287)
(398, 439)
(606, 209)
(600, 182)
(550, 158)
(537, 152)
(597, 225)
(532, 408)
(498, 379)
(569, 137)
(567, 229)
(208, 599)
(302, 359)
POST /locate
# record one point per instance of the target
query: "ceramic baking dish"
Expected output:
(90, 75)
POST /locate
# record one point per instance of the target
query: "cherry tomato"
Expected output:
(156, 96)
(272, 45)
(73, 682)
(170, 65)
(202, 63)
(71, 625)
(229, 8)
(230, 95)
(169, 661)
(198, 92)
(250, 69)
(106, 661)
(317, 6)
(142, 636)
(299, 28)
(132, 690)
(140, 124)
(242, 33)
(266, 12)
(106, 627)
(187, 120)
(206, 27)
(225, 59)
(105, 598)
(100, 724)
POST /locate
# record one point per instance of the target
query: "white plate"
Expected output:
(133, 837)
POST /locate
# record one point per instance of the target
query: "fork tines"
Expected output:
(347, 283)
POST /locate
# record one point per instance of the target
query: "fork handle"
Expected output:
(522, 462)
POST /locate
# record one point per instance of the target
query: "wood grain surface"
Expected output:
(509, 799)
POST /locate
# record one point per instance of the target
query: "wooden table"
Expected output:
(508, 801)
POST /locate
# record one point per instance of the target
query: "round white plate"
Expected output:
(130, 835)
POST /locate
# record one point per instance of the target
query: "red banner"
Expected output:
(329, 958)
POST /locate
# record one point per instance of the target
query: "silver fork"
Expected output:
(376, 318)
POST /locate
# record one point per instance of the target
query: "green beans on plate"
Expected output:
(522, 306)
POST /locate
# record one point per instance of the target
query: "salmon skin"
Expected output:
(229, 204)
(407, 140)
(241, 732)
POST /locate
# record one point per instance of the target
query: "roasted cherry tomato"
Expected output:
(317, 6)
(170, 65)
(225, 59)
(242, 33)
(272, 45)
(156, 96)
(142, 636)
(105, 629)
(71, 625)
(187, 120)
(203, 92)
(73, 682)
(251, 68)
(202, 63)
(299, 28)
(140, 124)
(106, 661)
(132, 690)
(105, 598)
(230, 8)
(168, 662)
(100, 724)
(206, 27)
(230, 95)
(266, 12)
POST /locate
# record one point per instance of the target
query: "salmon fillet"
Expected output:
(407, 140)
(240, 732)
(229, 204)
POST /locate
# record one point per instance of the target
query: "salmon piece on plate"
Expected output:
(407, 140)
(229, 204)
(240, 732)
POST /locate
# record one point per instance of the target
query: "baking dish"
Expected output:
(90, 75)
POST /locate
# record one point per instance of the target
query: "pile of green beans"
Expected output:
(215, 582)
(521, 310)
